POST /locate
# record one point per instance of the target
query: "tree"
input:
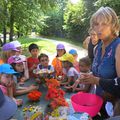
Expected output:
(55, 20)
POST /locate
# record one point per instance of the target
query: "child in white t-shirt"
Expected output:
(71, 74)
(85, 65)
(44, 70)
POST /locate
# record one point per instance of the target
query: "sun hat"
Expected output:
(6, 69)
(73, 52)
(9, 46)
(67, 57)
(16, 43)
(7, 107)
(60, 46)
(15, 59)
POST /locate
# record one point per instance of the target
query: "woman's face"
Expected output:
(94, 37)
(103, 30)
(19, 67)
(60, 52)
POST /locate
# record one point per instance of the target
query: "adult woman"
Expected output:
(90, 43)
(106, 62)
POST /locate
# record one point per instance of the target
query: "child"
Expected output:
(17, 64)
(33, 61)
(8, 50)
(69, 70)
(44, 69)
(18, 45)
(85, 66)
(6, 80)
(57, 64)
(75, 55)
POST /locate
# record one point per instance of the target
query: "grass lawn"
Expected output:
(44, 45)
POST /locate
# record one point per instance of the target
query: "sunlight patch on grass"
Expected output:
(44, 45)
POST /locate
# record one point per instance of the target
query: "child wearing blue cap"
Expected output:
(6, 80)
(75, 55)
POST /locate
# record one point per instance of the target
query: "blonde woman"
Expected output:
(106, 62)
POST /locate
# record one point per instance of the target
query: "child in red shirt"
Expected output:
(33, 59)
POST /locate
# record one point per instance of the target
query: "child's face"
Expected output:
(75, 56)
(19, 67)
(34, 52)
(64, 64)
(44, 61)
(20, 50)
(60, 52)
(6, 78)
(83, 67)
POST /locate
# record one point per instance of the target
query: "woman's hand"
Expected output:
(89, 79)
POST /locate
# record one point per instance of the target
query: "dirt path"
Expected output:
(81, 51)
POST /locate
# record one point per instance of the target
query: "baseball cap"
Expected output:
(7, 69)
(9, 46)
(7, 107)
(73, 52)
(67, 57)
(60, 46)
(15, 59)
(16, 43)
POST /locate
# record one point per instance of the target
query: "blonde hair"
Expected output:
(108, 16)
(5, 55)
(91, 30)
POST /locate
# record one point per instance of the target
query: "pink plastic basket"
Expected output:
(86, 102)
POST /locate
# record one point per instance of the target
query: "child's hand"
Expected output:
(74, 86)
(89, 79)
(38, 80)
(22, 80)
(33, 67)
(33, 87)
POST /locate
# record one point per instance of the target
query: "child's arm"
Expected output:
(26, 73)
(86, 88)
(69, 80)
(25, 90)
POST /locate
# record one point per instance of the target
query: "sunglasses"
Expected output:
(44, 60)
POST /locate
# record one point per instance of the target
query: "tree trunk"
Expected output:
(4, 35)
(11, 24)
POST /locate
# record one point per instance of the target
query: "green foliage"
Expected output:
(76, 20)
(58, 18)
(54, 22)
(115, 4)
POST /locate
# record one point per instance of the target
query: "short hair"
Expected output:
(85, 60)
(42, 55)
(33, 46)
(108, 16)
